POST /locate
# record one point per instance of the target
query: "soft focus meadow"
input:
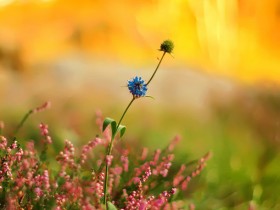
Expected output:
(207, 138)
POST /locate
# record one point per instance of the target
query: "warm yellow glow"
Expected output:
(5, 2)
(237, 38)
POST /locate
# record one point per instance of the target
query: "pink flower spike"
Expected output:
(156, 157)
(109, 159)
(43, 107)
(45, 133)
(144, 153)
(173, 191)
(191, 206)
(143, 205)
(2, 125)
(173, 143)
(125, 161)
(14, 145)
(3, 142)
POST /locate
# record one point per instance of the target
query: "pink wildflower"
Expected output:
(191, 206)
(146, 175)
(162, 199)
(46, 179)
(179, 177)
(6, 170)
(164, 166)
(38, 192)
(173, 143)
(144, 153)
(43, 107)
(86, 148)
(125, 161)
(19, 154)
(99, 185)
(14, 145)
(3, 142)
(2, 125)
(66, 157)
(60, 200)
(45, 133)
(156, 157)
(109, 159)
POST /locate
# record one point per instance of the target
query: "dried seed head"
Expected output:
(167, 46)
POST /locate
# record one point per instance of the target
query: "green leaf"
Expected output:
(122, 130)
(112, 122)
(107, 122)
(111, 206)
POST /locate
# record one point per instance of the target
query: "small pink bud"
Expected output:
(109, 159)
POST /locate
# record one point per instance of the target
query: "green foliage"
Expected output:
(111, 206)
(115, 129)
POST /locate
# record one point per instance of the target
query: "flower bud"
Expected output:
(167, 46)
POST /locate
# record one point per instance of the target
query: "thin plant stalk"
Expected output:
(156, 68)
(110, 147)
(113, 137)
(110, 151)
(23, 121)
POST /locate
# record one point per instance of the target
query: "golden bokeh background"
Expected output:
(235, 38)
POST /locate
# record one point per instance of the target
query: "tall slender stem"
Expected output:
(113, 137)
(156, 68)
(109, 151)
(23, 121)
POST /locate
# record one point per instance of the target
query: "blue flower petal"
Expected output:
(137, 87)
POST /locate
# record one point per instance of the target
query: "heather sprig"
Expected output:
(41, 108)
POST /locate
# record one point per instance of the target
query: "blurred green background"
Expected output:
(219, 90)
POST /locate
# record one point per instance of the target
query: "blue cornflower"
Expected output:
(137, 87)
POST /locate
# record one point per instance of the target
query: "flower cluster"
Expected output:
(45, 133)
(29, 182)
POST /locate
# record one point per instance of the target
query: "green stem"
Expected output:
(110, 148)
(156, 68)
(113, 137)
(23, 121)
(109, 151)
